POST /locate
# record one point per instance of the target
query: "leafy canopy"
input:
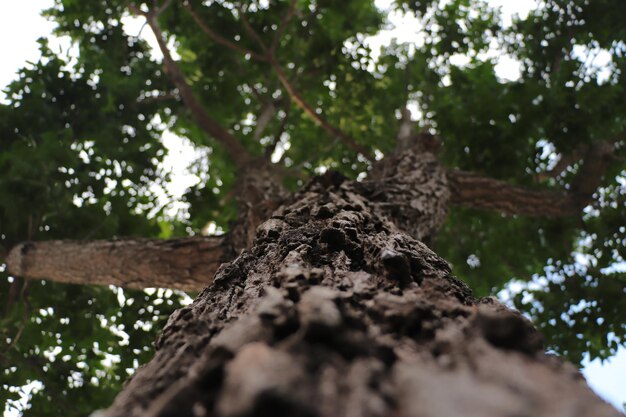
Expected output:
(82, 157)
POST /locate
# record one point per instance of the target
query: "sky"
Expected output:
(21, 26)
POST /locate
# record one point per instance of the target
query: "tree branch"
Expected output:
(269, 55)
(297, 98)
(159, 97)
(471, 190)
(248, 28)
(217, 38)
(186, 264)
(283, 25)
(269, 151)
(268, 111)
(235, 149)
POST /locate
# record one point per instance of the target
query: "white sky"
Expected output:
(21, 25)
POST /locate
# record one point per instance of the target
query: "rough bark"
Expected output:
(186, 264)
(335, 311)
(412, 189)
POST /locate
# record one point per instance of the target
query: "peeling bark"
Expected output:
(334, 311)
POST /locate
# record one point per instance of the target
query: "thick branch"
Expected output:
(235, 149)
(471, 190)
(186, 264)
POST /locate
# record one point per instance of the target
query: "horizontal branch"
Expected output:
(472, 190)
(186, 264)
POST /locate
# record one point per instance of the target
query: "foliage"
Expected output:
(82, 151)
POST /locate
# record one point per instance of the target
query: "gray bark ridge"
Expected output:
(335, 311)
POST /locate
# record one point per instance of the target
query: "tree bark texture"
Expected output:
(336, 311)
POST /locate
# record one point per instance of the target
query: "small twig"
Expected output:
(217, 38)
(583, 152)
(163, 7)
(269, 151)
(256, 93)
(14, 290)
(562, 164)
(295, 95)
(248, 28)
(269, 56)
(136, 10)
(160, 97)
(317, 118)
(283, 25)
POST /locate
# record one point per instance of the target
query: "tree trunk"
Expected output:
(336, 311)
